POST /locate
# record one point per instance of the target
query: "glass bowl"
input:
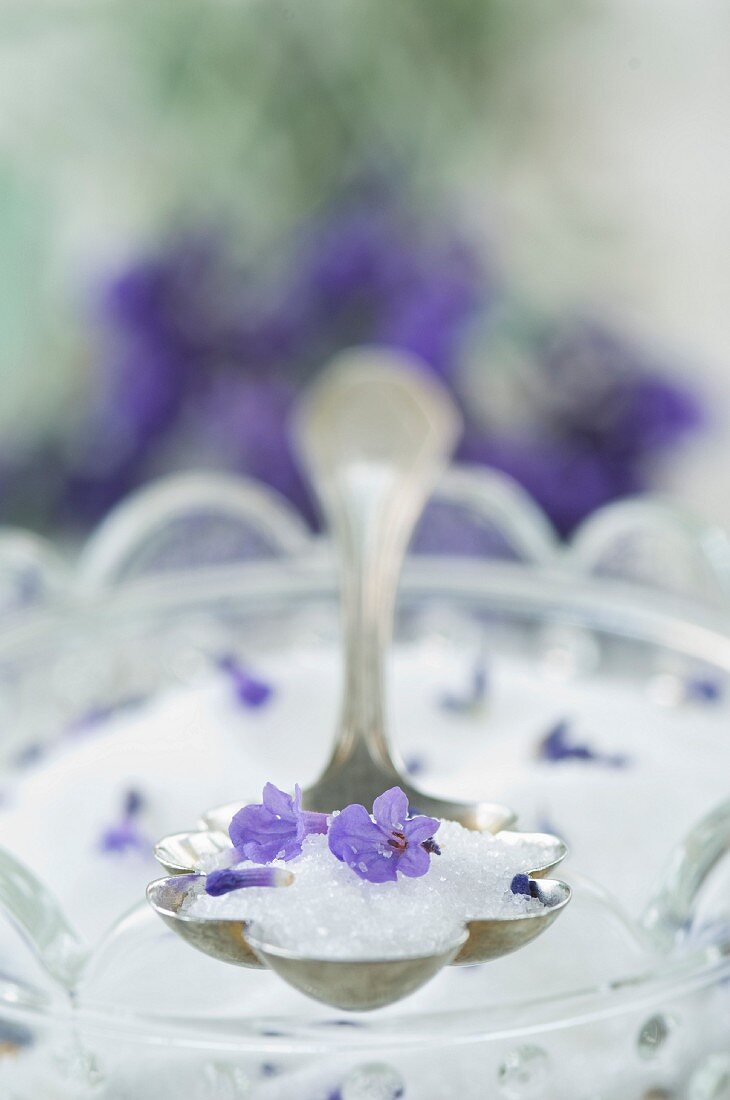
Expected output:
(111, 678)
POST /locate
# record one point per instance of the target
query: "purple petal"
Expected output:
(390, 809)
(420, 828)
(227, 879)
(354, 828)
(414, 862)
(312, 822)
(279, 802)
(262, 836)
(372, 865)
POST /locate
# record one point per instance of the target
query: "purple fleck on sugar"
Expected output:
(472, 699)
(703, 689)
(126, 835)
(250, 690)
(416, 764)
(558, 746)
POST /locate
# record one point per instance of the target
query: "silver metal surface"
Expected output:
(183, 853)
(490, 939)
(358, 985)
(221, 939)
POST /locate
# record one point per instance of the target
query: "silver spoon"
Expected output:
(375, 432)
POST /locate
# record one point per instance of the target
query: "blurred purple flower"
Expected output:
(243, 424)
(201, 358)
(372, 274)
(603, 411)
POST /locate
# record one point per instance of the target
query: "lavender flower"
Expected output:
(377, 847)
(523, 884)
(251, 691)
(275, 828)
(228, 879)
(599, 411)
(126, 835)
(557, 746)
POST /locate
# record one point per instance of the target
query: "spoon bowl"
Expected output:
(357, 985)
(221, 939)
(490, 939)
(186, 853)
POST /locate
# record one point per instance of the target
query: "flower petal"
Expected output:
(373, 866)
(279, 802)
(353, 826)
(420, 828)
(414, 862)
(262, 836)
(390, 809)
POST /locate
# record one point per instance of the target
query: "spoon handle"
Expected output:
(375, 432)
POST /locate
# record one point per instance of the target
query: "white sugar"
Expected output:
(329, 912)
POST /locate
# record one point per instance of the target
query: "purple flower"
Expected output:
(243, 423)
(523, 884)
(569, 478)
(126, 835)
(557, 746)
(250, 690)
(377, 847)
(228, 879)
(275, 828)
(599, 411)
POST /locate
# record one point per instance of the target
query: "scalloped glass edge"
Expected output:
(645, 541)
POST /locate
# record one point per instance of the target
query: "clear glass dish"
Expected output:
(626, 997)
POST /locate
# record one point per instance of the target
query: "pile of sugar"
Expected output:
(329, 912)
